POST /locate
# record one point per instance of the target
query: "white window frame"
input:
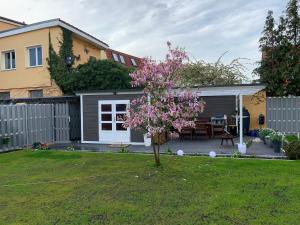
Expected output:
(133, 62)
(36, 55)
(3, 58)
(115, 57)
(122, 59)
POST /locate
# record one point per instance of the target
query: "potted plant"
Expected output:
(264, 133)
(243, 147)
(276, 139)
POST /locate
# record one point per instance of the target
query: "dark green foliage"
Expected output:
(93, 75)
(280, 68)
(292, 150)
(66, 46)
(57, 67)
(98, 75)
(290, 138)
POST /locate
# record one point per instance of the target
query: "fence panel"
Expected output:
(283, 114)
(26, 124)
(61, 121)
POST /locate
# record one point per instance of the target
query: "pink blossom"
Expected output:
(164, 111)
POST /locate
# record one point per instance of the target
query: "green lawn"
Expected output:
(104, 188)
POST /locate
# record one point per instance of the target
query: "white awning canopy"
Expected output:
(233, 90)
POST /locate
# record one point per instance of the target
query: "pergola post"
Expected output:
(241, 119)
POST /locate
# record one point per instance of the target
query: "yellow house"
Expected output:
(24, 52)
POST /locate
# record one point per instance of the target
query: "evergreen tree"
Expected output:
(293, 55)
(279, 68)
(293, 22)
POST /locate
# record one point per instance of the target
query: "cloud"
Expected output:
(206, 28)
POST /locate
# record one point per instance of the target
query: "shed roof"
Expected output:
(227, 90)
(220, 90)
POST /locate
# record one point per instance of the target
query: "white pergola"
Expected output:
(234, 90)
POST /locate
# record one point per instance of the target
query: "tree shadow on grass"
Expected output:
(46, 154)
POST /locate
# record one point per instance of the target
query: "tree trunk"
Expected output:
(156, 149)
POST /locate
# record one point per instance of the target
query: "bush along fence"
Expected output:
(289, 144)
(22, 125)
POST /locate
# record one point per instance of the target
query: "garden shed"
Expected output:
(101, 111)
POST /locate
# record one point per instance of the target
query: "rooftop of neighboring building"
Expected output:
(123, 58)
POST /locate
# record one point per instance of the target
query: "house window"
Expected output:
(9, 60)
(35, 56)
(122, 59)
(4, 95)
(115, 56)
(93, 58)
(36, 93)
(133, 62)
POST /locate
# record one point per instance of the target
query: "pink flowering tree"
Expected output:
(162, 107)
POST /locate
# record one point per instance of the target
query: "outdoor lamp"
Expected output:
(69, 60)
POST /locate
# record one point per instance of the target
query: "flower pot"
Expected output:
(147, 140)
(269, 142)
(263, 140)
(242, 148)
(277, 146)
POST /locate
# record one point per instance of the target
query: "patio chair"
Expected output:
(202, 128)
(218, 125)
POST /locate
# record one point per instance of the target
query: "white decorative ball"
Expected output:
(180, 153)
(212, 154)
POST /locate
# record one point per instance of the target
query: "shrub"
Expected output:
(276, 136)
(249, 143)
(263, 133)
(292, 150)
(290, 138)
(236, 154)
(123, 149)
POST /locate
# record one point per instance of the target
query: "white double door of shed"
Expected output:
(111, 120)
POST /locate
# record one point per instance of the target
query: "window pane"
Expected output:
(106, 126)
(106, 117)
(121, 107)
(39, 56)
(36, 93)
(13, 60)
(122, 59)
(133, 62)
(106, 108)
(121, 117)
(32, 57)
(7, 60)
(119, 126)
(4, 95)
(115, 56)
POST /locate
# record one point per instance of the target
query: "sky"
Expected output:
(205, 28)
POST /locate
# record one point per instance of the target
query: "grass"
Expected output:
(55, 187)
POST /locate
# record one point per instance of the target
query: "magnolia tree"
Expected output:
(162, 107)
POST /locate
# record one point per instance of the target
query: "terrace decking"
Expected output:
(194, 147)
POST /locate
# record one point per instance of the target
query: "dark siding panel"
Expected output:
(136, 136)
(90, 116)
(218, 104)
